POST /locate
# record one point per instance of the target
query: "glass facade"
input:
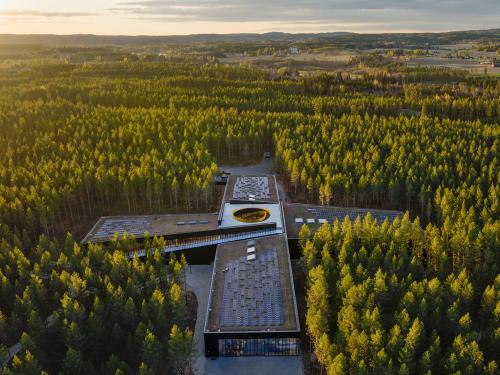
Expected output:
(259, 347)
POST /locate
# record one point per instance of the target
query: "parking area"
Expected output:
(264, 167)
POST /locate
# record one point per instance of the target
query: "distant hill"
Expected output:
(342, 38)
(394, 40)
(90, 39)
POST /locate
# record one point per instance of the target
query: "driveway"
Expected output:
(198, 278)
(264, 167)
(255, 366)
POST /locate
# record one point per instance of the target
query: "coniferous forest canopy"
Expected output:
(417, 296)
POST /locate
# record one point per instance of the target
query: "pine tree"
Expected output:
(179, 349)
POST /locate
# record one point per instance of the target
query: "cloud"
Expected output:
(42, 14)
(393, 14)
(165, 16)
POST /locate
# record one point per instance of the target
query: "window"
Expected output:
(259, 347)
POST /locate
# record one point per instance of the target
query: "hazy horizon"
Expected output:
(184, 17)
(257, 33)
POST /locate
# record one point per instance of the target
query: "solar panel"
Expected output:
(251, 188)
(252, 291)
(134, 226)
(331, 214)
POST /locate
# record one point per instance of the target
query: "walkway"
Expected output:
(255, 366)
(198, 279)
(223, 238)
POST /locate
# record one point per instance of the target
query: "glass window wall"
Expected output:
(259, 347)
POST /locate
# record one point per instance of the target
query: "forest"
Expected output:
(77, 141)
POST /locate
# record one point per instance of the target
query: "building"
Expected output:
(314, 217)
(252, 309)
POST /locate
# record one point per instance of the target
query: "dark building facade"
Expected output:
(262, 343)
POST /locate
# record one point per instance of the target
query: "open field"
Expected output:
(447, 56)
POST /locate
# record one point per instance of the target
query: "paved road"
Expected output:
(11, 352)
(255, 366)
(281, 191)
(264, 167)
(198, 278)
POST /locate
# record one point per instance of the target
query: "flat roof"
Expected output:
(297, 214)
(228, 219)
(252, 294)
(156, 225)
(257, 187)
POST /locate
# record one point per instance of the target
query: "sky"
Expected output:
(178, 17)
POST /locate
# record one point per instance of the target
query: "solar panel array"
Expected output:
(246, 186)
(192, 222)
(136, 227)
(330, 214)
(252, 292)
